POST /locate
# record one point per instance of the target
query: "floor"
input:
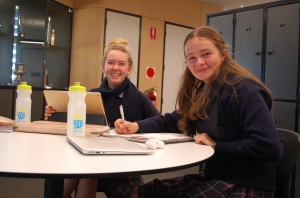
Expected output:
(34, 188)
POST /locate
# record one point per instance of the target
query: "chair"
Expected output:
(291, 145)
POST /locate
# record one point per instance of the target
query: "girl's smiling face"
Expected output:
(116, 68)
(203, 58)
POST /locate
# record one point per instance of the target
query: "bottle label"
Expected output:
(21, 114)
(78, 122)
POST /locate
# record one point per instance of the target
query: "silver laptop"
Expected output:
(106, 146)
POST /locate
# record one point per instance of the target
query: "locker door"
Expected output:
(282, 50)
(284, 114)
(248, 40)
(224, 25)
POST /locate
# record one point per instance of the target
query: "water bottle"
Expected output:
(23, 104)
(76, 110)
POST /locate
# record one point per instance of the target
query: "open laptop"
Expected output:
(59, 101)
(107, 146)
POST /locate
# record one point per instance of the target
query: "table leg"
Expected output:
(54, 188)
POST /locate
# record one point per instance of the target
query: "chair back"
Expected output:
(290, 148)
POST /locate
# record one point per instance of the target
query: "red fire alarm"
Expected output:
(153, 33)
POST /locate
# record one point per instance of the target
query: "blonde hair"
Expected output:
(193, 105)
(118, 44)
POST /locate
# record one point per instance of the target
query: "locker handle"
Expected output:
(270, 52)
(258, 52)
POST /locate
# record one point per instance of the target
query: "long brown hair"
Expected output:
(193, 105)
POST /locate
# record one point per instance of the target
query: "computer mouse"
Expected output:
(154, 144)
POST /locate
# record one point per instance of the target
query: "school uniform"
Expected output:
(246, 152)
(136, 107)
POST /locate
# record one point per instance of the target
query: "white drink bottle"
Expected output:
(23, 104)
(76, 110)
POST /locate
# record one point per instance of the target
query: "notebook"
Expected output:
(106, 146)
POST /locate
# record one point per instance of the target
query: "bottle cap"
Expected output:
(77, 87)
(24, 86)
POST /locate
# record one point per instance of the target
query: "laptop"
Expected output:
(59, 101)
(107, 146)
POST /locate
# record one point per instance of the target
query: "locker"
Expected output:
(224, 25)
(273, 28)
(249, 27)
(282, 50)
(284, 114)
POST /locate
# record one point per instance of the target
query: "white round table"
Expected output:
(51, 157)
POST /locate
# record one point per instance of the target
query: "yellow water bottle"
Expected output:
(76, 120)
(23, 104)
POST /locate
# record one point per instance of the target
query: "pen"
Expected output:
(122, 115)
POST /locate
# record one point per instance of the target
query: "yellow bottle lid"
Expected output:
(77, 87)
(24, 86)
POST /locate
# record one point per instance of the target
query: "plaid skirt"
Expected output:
(119, 187)
(195, 185)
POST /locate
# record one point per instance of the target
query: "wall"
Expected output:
(68, 3)
(88, 30)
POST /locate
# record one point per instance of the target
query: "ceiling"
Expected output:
(232, 4)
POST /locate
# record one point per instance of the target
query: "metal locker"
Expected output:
(282, 50)
(224, 25)
(284, 114)
(249, 41)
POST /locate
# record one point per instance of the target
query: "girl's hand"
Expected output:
(204, 139)
(126, 127)
(48, 112)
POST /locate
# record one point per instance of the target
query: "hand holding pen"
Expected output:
(122, 116)
(125, 127)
